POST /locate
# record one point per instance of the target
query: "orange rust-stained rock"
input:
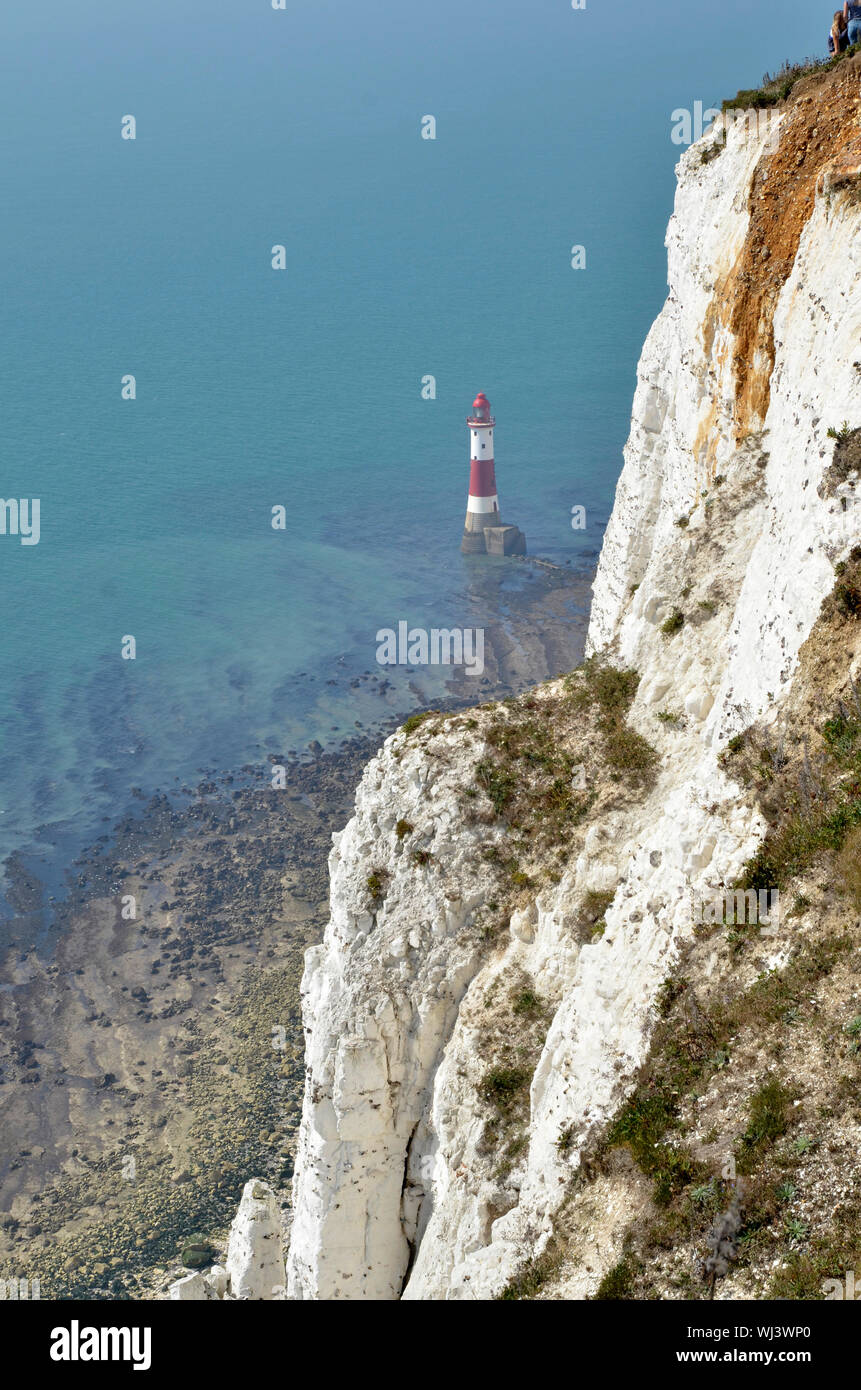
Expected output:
(819, 148)
(844, 172)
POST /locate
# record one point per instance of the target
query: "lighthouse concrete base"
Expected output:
(473, 543)
(494, 540)
(504, 540)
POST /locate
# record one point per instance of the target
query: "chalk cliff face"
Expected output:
(726, 525)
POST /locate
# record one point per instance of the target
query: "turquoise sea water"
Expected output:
(405, 257)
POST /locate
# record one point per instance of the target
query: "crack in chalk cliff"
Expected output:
(412, 1241)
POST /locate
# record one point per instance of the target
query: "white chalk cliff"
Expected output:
(254, 1268)
(753, 357)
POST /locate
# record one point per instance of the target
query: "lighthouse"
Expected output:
(484, 532)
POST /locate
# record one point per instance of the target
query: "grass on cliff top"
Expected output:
(547, 755)
(777, 86)
(414, 721)
(609, 692)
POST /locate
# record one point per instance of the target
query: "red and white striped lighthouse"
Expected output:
(483, 530)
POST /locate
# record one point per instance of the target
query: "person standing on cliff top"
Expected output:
(852, 15)
(838, 38)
